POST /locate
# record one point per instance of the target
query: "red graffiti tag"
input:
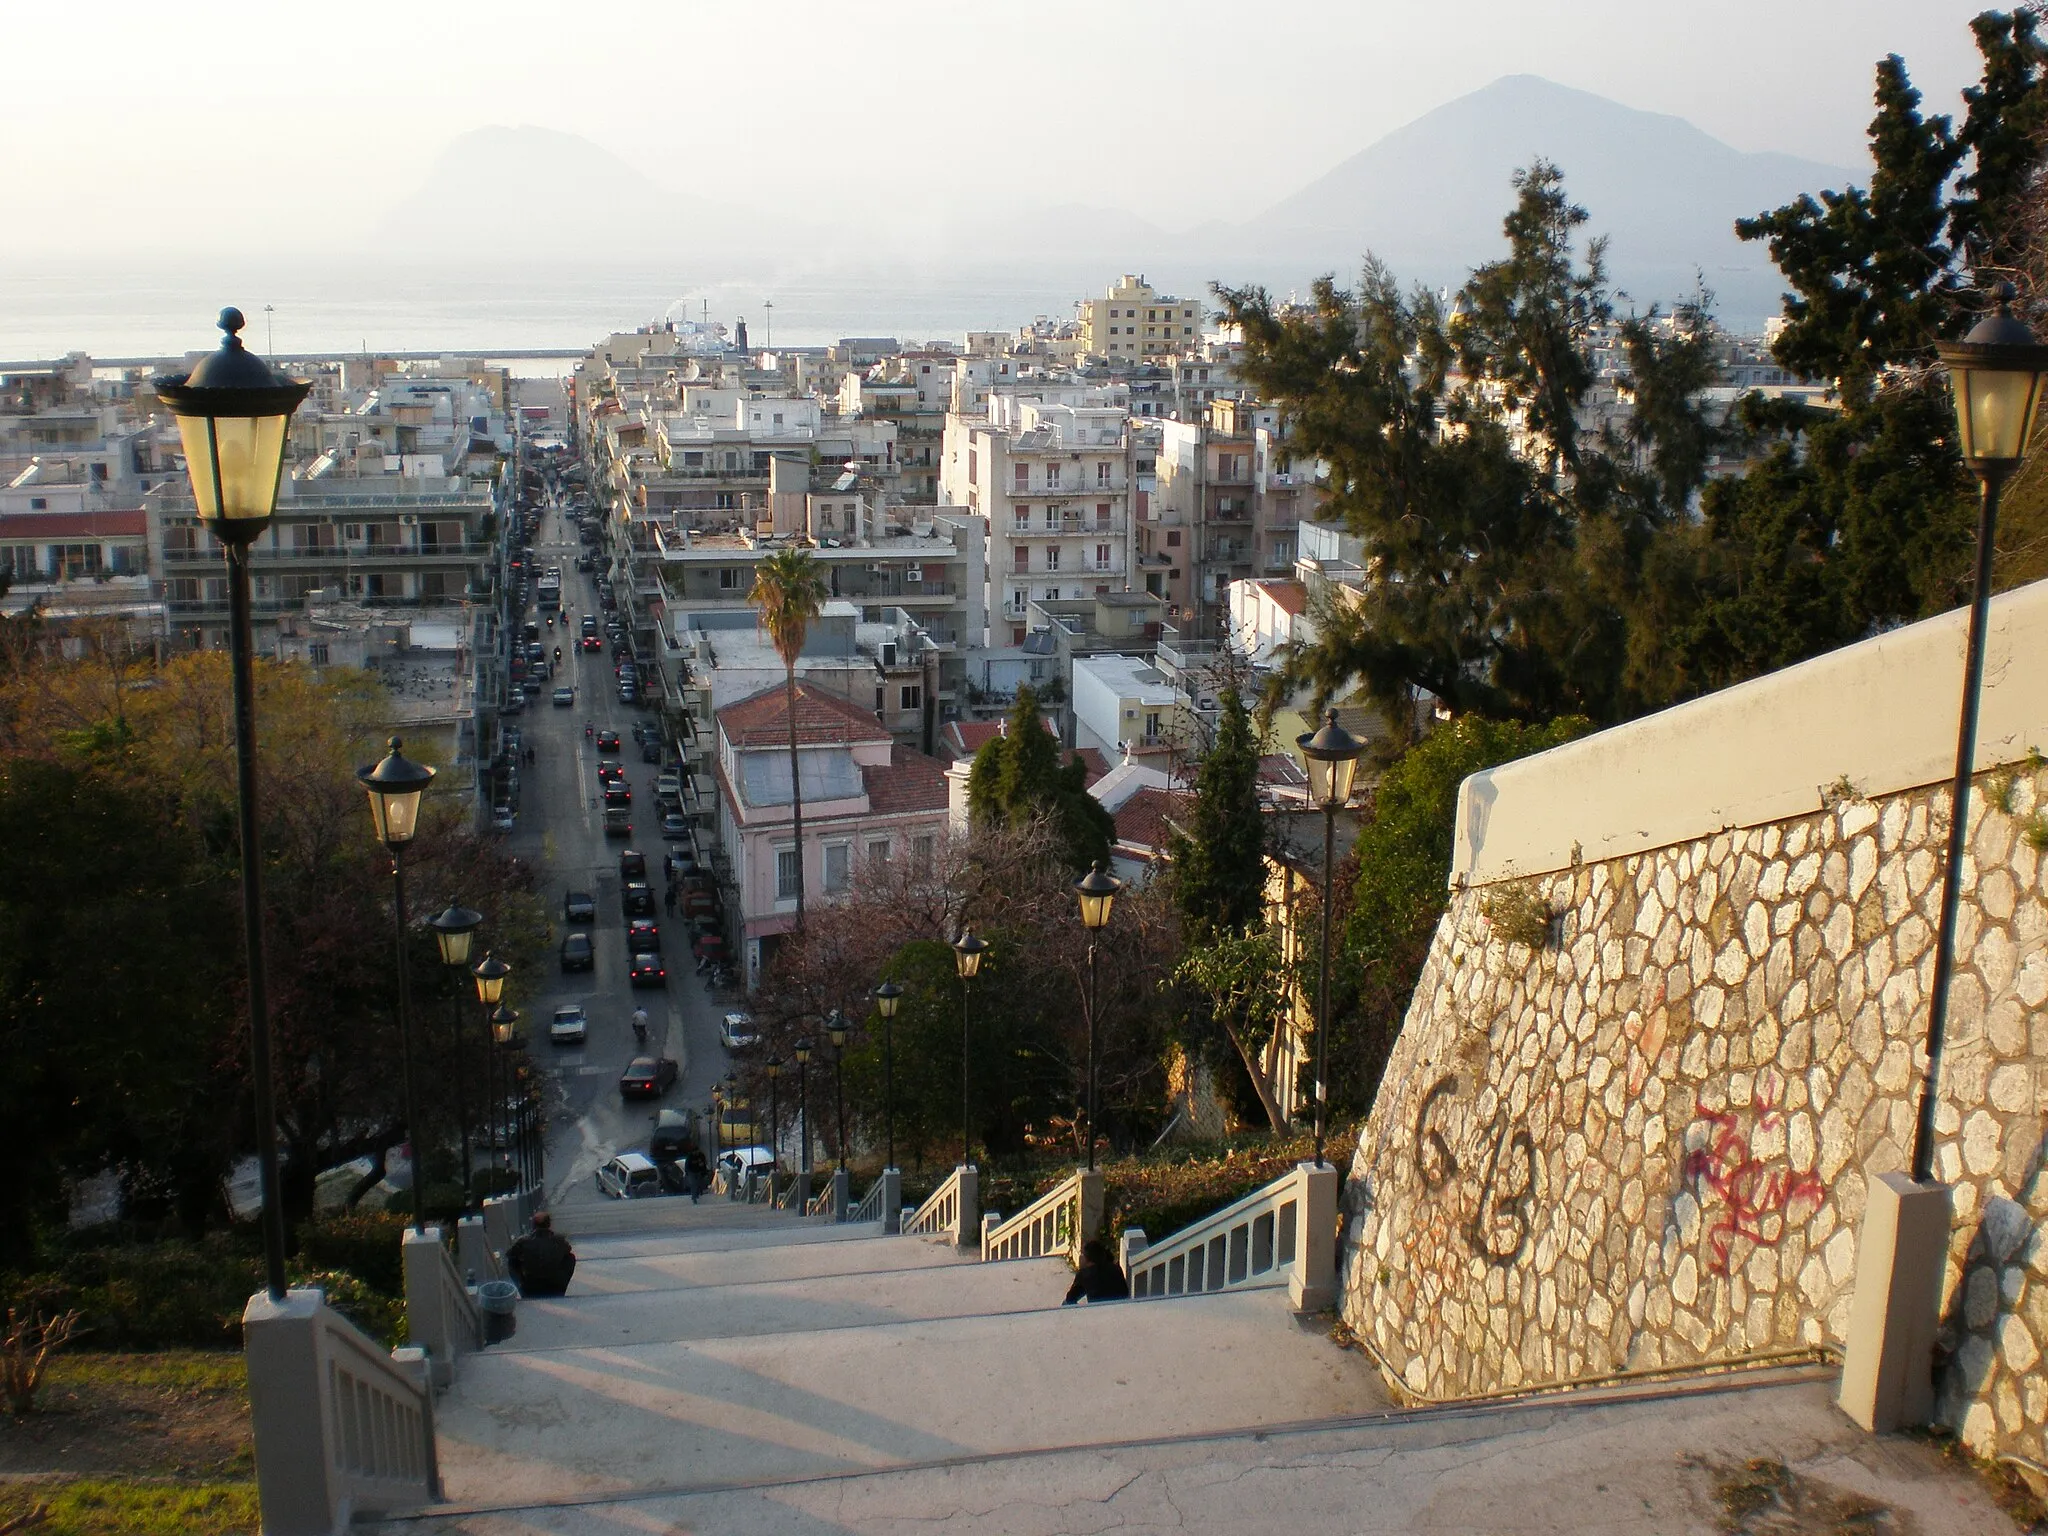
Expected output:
(1750, 1191)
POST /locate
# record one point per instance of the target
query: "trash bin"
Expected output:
(499, 1300)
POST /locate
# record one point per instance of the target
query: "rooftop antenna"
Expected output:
(768, 325)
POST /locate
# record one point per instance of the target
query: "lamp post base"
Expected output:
(1888, 1371)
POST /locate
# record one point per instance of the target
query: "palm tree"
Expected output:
(789, 590)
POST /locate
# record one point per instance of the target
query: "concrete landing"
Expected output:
(710, 1406)
(1660, 1462)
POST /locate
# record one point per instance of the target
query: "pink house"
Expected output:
(866, 801)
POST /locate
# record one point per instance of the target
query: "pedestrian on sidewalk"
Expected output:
(668, 899)
(1100, 1277)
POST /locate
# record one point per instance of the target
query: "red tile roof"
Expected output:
(1287, 596)
(1142, 820)
(1098, 765)
(34, 527)
(822, 719)
(964, 738)
(911, 782)
(1279, 768)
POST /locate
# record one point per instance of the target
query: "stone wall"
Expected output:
(1644, 1140)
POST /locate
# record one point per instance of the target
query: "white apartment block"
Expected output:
(1053, 482)
(1134, 322)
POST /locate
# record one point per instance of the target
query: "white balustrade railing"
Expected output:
(1283, 1234)
(343, 1428)
(440, 1314)
(952, 1211)
(1057, 1223)
(819, 1204)
(883, 1201)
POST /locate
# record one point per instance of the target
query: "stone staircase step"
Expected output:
(851, 1297)
(598, 1418)
(606, 1270)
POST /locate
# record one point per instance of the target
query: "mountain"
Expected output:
(1429, 197)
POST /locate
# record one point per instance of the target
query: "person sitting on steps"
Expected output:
(542, 1262)
(1100, 1277)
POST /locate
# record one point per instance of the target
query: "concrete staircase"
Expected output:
(719, 1346)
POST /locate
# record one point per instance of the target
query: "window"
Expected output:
(317, 653)
(1102, 557)
(921, 851)
(1173, 538)
(1052, 557)
(1052, 476)
(778, 418)
(1022, 558)
(913, 696)
(730, 577)
(973, 464)
(1102, 472)
(785, 874)
(1102, 514)
(838, 866)
(1022, 474)
(878, 848)
(39, 503)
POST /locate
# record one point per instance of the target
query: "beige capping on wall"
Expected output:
(1880, 714)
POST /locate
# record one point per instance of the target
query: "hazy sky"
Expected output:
(224, 121)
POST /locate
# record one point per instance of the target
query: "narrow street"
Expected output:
(560, 829)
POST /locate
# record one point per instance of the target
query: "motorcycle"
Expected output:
(558, 655)
(589, 730)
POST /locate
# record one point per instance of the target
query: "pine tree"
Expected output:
(1219, 867)
(1018, 776)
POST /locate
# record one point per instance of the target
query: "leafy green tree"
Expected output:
(1219, 866)
(1236, 972)
(790, 591)
(1018, 777)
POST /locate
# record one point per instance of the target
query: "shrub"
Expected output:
(381, 1317)
(368, 1244)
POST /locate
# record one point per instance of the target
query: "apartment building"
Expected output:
(869, 801)
(1052, 483)
(1134, 322)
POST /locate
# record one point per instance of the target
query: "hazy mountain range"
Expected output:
(1427, 198)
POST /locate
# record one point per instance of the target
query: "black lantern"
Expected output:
(232, 414)
(967, 953)
(490, 974)
(887, 996)
(396, 785)
(454, 930)
(1331, 758)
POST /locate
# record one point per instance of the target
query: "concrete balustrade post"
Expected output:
(1090, 1226)
(478, 1261)
(800, 1201)
(1313, 1285)
(1901, 1251)
(842, 1193)
(892, 1200)
(297, 1482)
(501, 1223)
(967, 1229)
(426, 1311)
(1129, 1246)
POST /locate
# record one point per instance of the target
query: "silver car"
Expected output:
(629, 1176)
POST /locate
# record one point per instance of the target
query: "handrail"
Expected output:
(381, 1420)
(1252, 1242)
(870, 1207)
(948, 1212)
(1050, 1225)
(787, 1197)
(819, 1204)
(441, 1315)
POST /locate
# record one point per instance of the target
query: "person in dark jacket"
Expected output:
(542, 1261)
(1099, 1278)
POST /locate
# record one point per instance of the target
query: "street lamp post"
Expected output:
(232, 412)
(1996, 372)
(1331, 758)
(1096, 891)
(803, 1116)
(967, 957)
(490, 974)
(505, 1032)
(454, 929)
(774, 1070)
(837, 1033)
(395, 786)
(887, 996)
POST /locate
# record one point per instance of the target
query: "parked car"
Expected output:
(673, 1137)
(569, 1026)
(736, 1031)
(698, 902)
(501, 818)
(629, 1176)
(638, 897)
(564, 697)
(674, 827)
(741, 1161)
(632, 864)
(643, 936)
(578, 953)
(650, 752)
(647, 1077)
(579, 907)
(608, 741)
(648, 971)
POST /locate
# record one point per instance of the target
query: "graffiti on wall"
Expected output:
(1757, 1196)
(1494, 1166)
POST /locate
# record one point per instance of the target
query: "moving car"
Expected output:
(736, 1031)
(650, 752)
(632, 864)
(629, 1176)
(643, 937)
(569, 1026)
(578, 953)
(648, 971)
(672, 1138)
(638, 897)
(592, 643)
(618, 792)
(579, 907)
(564, 697)
(647, 1077)
(608, 741)
(618, 822)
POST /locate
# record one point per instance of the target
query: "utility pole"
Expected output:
(768, 325)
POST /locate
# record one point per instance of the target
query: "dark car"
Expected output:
(609, 772)
(632, 864)
(618, 792)
(578, 953)
(647, 1077)
(639, 898)
(579, 907)
(592, 643)
(564, 697)
(673, 1139)
(608, 741)
(650, 752)
(643, 936)
(648, 971)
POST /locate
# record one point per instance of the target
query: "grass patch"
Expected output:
(104, 1507)
(176, 1371)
